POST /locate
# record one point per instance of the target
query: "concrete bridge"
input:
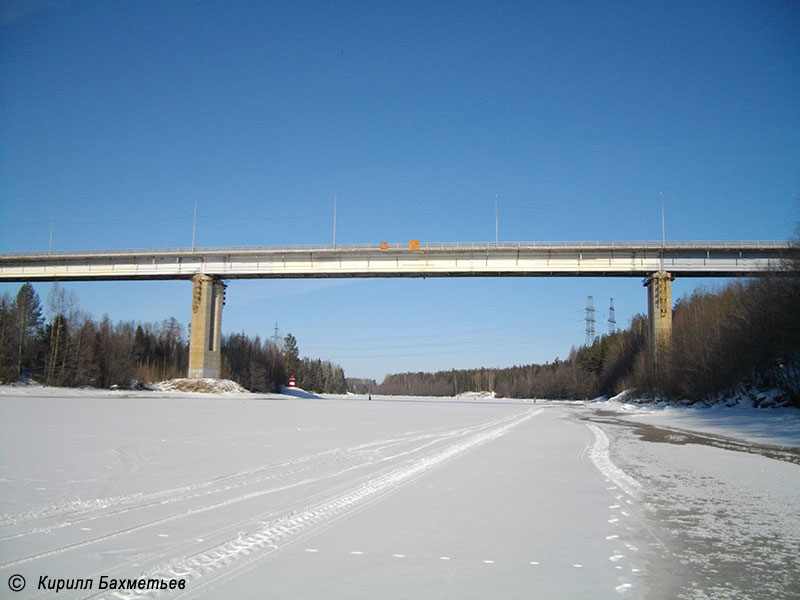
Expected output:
(657, 263)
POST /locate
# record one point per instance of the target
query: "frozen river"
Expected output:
(259, 496)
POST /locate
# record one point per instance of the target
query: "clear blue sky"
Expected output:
(116, 117)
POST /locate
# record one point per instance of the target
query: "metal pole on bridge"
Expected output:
(194, 224)
(663, 231)
(495, 220)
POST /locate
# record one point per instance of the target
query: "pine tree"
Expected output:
(291, 354)
(27, 317)
(7, 363)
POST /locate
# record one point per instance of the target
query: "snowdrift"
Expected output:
(298, 393)
(476, 395)
(206, 386)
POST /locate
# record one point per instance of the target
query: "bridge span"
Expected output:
(525, 259)
(658, 263)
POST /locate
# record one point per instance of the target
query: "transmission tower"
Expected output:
(276, 338)
(612, 322)
(589, 320)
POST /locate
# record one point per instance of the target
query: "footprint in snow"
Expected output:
(616, 556)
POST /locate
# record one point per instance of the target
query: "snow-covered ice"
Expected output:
(273, 496)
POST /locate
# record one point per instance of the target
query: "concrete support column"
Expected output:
(659, 310)
(205, 341)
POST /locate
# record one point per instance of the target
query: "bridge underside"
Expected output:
(381, 275)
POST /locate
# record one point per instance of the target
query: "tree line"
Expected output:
(747, 334)
(68, 348)
(263, 366)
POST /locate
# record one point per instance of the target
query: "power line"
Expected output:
(504, 333)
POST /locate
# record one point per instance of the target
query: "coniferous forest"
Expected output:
(69, 348)
(744, 334)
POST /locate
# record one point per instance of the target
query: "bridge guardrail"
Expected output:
(566, 245)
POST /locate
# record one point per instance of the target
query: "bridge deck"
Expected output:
(588, 259)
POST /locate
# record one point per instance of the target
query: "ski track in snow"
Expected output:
(351, 478)
(598, 453)
(623, 487)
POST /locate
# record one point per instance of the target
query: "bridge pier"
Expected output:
(659, 310)
(205, 340)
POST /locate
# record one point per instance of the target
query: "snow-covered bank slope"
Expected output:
(774, 426)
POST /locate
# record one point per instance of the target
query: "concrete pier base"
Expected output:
(659, 310)
(205, 340)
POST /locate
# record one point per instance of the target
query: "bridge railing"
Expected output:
(566, 245)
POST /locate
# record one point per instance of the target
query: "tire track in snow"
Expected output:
(236, 554)
(79, 512)
(81, 507)
(429, 440)
(192, 512)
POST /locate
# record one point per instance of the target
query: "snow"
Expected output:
(273, 496)
(297, 392)
(776, 426)
(475, 395)
(599, 455)
(205, 385)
